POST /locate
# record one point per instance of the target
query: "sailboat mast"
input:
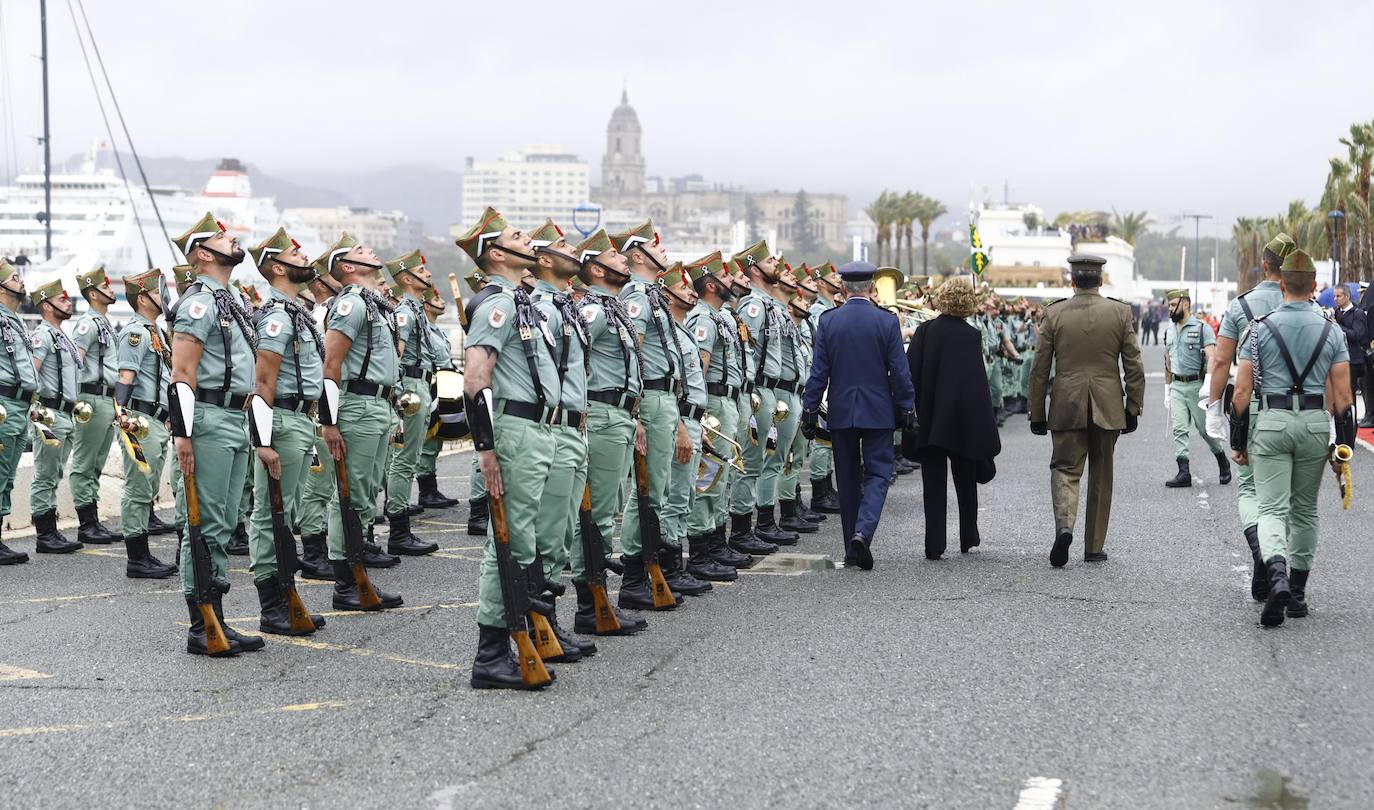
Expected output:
(47, 136)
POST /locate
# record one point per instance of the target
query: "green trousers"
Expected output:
(293, 434)
(406, 460)
(556, 534)
(365, 423)
(477, 484)
(317, 491)
(795, 459)
(771, 475)
(994, 371)
(745, 494)
(429, 457)
(178, 482)
(610, 452)
(1028, 356)
(525, 450)
(90, 447)
(13, 437)
(1185, 413)
(658, 413)
(219, 439)
(1288, 451)
(1247, 500)
(709, 508)
(49, 464)
(682, 479)
(140, 488)
(821, 461)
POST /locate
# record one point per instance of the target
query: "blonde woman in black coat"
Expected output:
(956, 431)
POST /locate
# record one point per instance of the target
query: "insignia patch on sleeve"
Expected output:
(135, 339)
(197, 310)
(273, 328)
(701, 333)
(633, 309)
(345, 307)
(589, 313)
(752, 310)
(36, 341)
(497, 318)
(83, 327)
(402, 319)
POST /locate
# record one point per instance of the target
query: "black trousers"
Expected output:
(1366, 381)
(933, 480)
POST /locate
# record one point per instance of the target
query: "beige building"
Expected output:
(383, 231)
(526, 186)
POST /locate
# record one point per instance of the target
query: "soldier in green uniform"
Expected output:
(716, 335)
(1297, 362)
(426, 477)
(58, 363)
(183, 276)
(741, 536)
(478, 512)
(824, 498)
(143, 359)
(18, 383)
(417, 370)
(511, 392)
(95, 341)
(288, 382)
(801, 292)
(212, 377)
(360, 370)
(1188, 347)
(318, 488)
(1263, 298)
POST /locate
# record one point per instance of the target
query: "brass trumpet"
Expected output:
(133, 423)
(717, 441)
(4, 414)
(42, 415)
(754, 402)
(781, 410)
(408, 403)
(82, 411)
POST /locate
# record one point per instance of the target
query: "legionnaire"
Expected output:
(799, 291)
(288, 382)
(58, 363)
(94, 431)
(716, 335)
(413, 400)
(212, 377)
(18, 383)
(1188, 348)
(1260, 300)
(360, 370)
(1090, 341)
(478, 512)
(511, 392)
(318, 489)
(823, 497)
(143, 359)
(442, 358)
(666, 434)
(1292, 356)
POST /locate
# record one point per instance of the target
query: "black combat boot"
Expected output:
(315, 558)
(679, 580)
(478, 515)
(1279, 592)
(791, 519)
(823, 496)
(195, 636)
(50, 540)
(430, 496)
(346, 590)
(567, 640)
(238, 541)
(1184, 477)
(1297, 586)
(90, 530)
(274, 618)
(9, 556)
(156, 526)
(1259, 576)
(1223, 469)
(584, 621)
(721, 552)
(634, 586)
(540, 584)
(402, 541)
(246, 643)
(743, 539)
(701, 565)
(142, 564)
(806, 513)
(613, 564)
(495, 666)
(373, 556)
(768, 530)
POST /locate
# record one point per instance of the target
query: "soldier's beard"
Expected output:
(1176, 317)
(300, 275)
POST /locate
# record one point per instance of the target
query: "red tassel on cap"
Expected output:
(295, 244)
(560, 230)
(221, 227)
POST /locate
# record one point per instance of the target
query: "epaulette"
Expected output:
(831, 311)
(1118, 300)
(1055, 301)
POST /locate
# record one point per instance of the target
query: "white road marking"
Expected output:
(12, 673)
(1042, 793)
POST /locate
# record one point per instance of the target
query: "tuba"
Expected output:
(886, 281)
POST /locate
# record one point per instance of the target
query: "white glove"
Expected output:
(1218, 426)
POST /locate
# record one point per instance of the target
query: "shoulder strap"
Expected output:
(525, 322)
(761, 356)
(470, 309)
(1245, 307)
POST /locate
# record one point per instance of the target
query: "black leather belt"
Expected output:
(620, 399)
(689, 411)
(57, 404)
(150, 408)
(1293, 402)
(16, 392)
(661, 384)
(1187, 378)
(415, 372)
(293, 404)
(222, 398)
(572, 419)
(99, 389)
(790, 386)
(532, 411)
(720, 389)
(367, 389)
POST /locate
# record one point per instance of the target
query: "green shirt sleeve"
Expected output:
(275, 331)
(132, 344)
(196, 316)
(348, 317)
(86, 335)
(493, 323)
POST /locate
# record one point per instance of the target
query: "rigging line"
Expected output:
(7, 114)
(114, 145)
(120, 113)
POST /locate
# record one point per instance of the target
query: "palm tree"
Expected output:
(930, 210)
(1245, 238)
(1131, 225)
(883, 212)
(902, 218)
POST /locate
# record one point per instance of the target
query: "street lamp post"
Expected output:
(1337, 221)
(1197, 238)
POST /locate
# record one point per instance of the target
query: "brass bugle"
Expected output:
(82, 411)
(710, 427)
(781, 410)
(1343, 453)
(4, 414)
(42, 414)
(408, 403)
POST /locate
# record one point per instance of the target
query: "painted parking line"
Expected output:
(1042, 793)
(13, 673)
(295, 708)
(366, 653)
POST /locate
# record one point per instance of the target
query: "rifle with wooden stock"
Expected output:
(287, 562)
(204, 584)
(594, 565)
(651, 537)
(516, 600)
(353, 540)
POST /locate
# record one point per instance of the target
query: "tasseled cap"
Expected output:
(206, 228)
(53, 289)
(410, 261)
(643, 234)
(324, 265)
(672, 277)
(146, 282)
(278, 242)
(710, 263)
(594, 245)
(752, 255)
(91, 278)
(480, 236)
(546, 234)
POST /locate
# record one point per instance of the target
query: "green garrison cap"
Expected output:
(695, 271)
(395, 291)
(183, 275)
(1174, 295)
(476, 279)
(53, 289)
(138, 283)
(710, 263)
(324, 265)
(822, 270)
(752, 255)
(594, 245)
(672, 277)
(1298, 261)
(802, 271)
(91, 278)
(6, 270)
(207, 227)
(409, 261)
(636, 236)
(487, 229)
(431, 296)
(278, 242)
(1281, 245)
(249, 292)
(545, 234)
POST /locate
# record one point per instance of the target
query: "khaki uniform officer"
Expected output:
(1188, 345)
(58, 363)
(18, 383)
(1088, 339)
(95, 341)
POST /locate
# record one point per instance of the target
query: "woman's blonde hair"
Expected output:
(956, 297)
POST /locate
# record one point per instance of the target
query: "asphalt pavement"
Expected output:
(984, 680)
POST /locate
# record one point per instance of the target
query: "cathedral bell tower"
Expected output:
(622, 167)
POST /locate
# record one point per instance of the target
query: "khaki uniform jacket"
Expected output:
(1091, 342)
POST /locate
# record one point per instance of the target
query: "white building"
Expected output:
(526, 186)
(384, 231)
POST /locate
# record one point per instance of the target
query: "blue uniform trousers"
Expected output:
(863, 461)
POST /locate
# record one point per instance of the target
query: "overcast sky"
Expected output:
(1226, 108)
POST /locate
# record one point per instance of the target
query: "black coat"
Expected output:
(953, 405)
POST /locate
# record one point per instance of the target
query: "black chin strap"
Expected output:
(614, 273)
